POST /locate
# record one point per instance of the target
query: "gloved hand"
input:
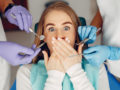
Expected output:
(23, 18)
(87, 32)
(10, 52)
(96, 55)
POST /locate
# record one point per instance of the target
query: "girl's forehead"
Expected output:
(57, 16)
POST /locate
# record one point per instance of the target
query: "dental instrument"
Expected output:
(41, 37)
(84, 41)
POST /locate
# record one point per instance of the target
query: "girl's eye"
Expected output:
(66, 28)
(51, 29)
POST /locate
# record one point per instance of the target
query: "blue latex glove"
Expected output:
(87, 32)
(10, 52)
(23, 18)
(96, 55)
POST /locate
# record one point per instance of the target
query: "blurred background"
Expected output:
(83, 8)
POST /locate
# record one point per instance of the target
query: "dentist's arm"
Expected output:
(10, 52)
(97, 20)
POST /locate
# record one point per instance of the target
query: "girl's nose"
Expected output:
(60, 34)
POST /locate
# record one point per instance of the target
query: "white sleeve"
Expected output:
(103, 83)
(79, 78)
(54, 80)
(23, 78)
(113, 67)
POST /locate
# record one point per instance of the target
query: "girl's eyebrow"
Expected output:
(50, 24)
(67, 23)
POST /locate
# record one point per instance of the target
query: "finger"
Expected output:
(33, 46)
(19, 21)
(62, 48)
(53, 57)
(80, 31)
(29, 21)
(25, 23)
(83, 32)
(28, 15)
(25, 50)
(61, 51)
(93, 59)
(93, 32)
(36, 52)
(58, 53)
(23, 60)
(45, 57)
(80, 48)
(67, 46)
(90, 50)
(87, 32)
(28, 59)
(91, 56)
(93, 62)
(94, 37)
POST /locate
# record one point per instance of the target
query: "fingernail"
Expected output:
(68, 41)
(82, 45)
(53, 38)
(59, 38)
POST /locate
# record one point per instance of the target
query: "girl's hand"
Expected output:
(52, 63)
(66, 53)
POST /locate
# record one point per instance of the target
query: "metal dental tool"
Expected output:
(84, 41)
(41, 37)
(30, 29)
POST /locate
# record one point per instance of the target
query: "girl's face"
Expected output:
(58, 24)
